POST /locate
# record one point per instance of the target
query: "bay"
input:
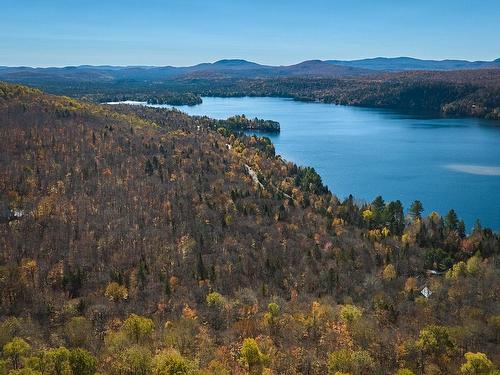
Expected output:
(443, 162)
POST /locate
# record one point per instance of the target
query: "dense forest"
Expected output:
(241, 122)
(139, 240)
(457, 93)
(460, 93)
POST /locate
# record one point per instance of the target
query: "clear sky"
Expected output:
(278, 32)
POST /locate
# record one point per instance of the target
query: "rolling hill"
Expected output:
(142, 241)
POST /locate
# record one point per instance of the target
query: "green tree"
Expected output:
(347, 361)
(272, 315)
(473, 266)
(405, 371)
(135, 360)
(350, 313)
(434, 341)
(478, 228)
(378, 207)
(394, 217)
(9, 328)
(451, 221)
(437, 259)
(138, 328)
(461, 229)
(216, 307)
(171, 362)
(458, 270)
(368, 215)
(339, 361)
(416, 210)
(252, 357)
(82, 362)
(24, 371)
(476, 364)
(56, 361)
(15, 350)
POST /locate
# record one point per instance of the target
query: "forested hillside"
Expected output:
(143, 241)
(470, 92)
(474, 93)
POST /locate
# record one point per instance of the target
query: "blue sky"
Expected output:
(185, 32)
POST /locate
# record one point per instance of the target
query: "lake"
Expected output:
(443, 162)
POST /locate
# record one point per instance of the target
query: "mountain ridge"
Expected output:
(240, 68)
(403, 63)
(238, 61)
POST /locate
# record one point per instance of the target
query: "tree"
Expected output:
(378, 204)
(82, 362)
(78, 330)
(393, 215)
(437, 259)
(461, 229)
(15, 350)
(339, 361)
(116, 292)
(416, 210)
(216, 307)
(434, 341)
(171, 362)
(350, 313)
(389, 273)
(458, 270)
(476, 364)
(368, 215)
(138, 328)
(346, 361)
(252, 357)
(405, 371)
(56, 361)
(24, 371)
(134, 360)
(451, 221)
(149, 169)
(473, 266)
(477, 227)
(271, 316)
(200, 267)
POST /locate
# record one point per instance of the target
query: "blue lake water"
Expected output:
(445, 163)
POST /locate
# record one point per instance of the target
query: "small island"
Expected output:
(241, 122)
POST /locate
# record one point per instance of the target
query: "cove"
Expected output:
(443, 162)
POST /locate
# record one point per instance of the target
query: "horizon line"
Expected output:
(241, 59)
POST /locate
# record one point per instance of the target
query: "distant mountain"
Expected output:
(409, 63)
(218, 69)
(320, 68)
(231, 68)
